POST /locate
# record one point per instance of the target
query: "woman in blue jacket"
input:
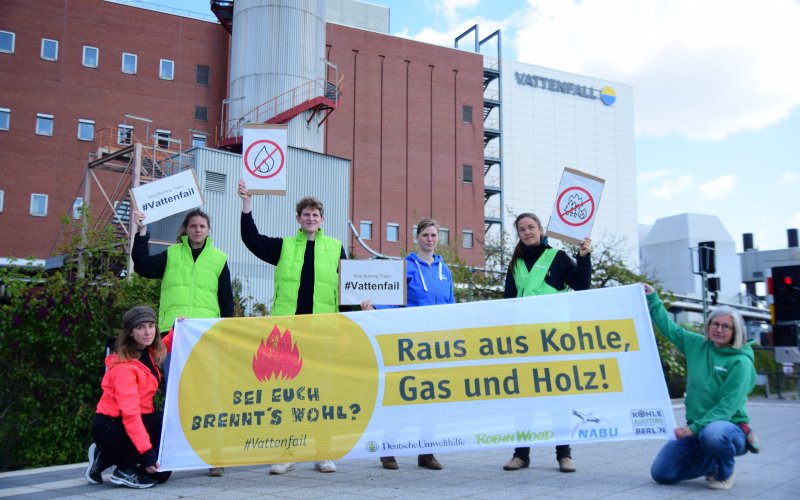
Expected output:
(428, 282)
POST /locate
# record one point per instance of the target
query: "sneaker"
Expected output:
(726, 484)
(132, 478)
(325, 466)
(216, 471)
(94, 471)
(566, 464)
(389, 463)
(429, 462)
(281, 468)
(753, 446)
(515, 463)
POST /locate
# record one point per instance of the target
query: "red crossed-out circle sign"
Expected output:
(264, 159)
(575, 206)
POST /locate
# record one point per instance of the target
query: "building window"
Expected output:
(444, 236)
(198, 140)
(49, 49)
(7, 39)
(392, 232)
(129, 62)
(163, 138)
(85, 130)
(91, 56)
(414, 232)
(77, 207)
(166, 69)
(38, 204)
(201, 113)
(5, 118)
(467, 236)
(467, 114)
(201, 75)
(365, 230)
(467, 174)
(125, 135)
(2, 200)
(44, 124)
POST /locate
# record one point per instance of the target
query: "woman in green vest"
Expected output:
(195, 280)
(538, 269)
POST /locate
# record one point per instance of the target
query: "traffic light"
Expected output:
(713, 289)
(706, 257)
(786, 293)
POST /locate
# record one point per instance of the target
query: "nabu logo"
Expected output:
(592, 427)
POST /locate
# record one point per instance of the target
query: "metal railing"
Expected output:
(290, 99)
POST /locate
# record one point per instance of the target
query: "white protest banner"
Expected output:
(576, 206)
(563, 368)
(381, 281)
(168, 196)
(264, 158)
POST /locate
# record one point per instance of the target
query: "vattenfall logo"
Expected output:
(607, 95)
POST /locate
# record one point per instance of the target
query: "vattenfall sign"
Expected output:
(607, 95)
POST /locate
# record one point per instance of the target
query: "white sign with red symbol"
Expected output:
(264, 159)
(576, 206)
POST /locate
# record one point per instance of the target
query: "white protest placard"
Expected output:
(576, 205)
(382, 282)
(566, 368)
(264, 158)
(168, 196)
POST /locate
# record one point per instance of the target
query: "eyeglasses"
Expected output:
(723, 326)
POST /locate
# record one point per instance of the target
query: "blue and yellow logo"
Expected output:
(608, 96)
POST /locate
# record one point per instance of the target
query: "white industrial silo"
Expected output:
(278, 65)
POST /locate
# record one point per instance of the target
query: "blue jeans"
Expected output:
(712, 452)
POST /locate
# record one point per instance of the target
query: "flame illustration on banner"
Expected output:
(277, 356)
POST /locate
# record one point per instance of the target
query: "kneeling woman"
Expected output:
(126, 427)
(720, 376)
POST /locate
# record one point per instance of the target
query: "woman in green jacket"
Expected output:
(720, 376)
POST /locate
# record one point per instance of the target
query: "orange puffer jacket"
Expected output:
(128, 390)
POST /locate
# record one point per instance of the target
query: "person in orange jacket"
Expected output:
(126, 426)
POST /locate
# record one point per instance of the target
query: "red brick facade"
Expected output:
(54, 165)
(400, 121)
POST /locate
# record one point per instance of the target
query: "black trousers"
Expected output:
(116, 447)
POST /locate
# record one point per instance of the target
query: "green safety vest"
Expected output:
(327, 252)
(189, 287)
(531, 283)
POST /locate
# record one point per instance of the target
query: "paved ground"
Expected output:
(608, 470)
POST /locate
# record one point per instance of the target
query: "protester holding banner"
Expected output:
(306, 274)
(126, 427)
(538, 269)
(195, 279)
(428, 282)
(720, 375)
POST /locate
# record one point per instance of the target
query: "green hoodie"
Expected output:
(719, 379)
